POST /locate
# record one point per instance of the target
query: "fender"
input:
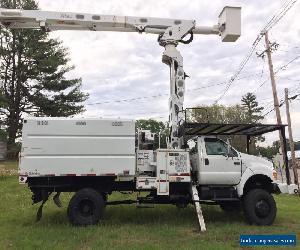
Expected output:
(246, 175)
(249, 172)
(261, 169)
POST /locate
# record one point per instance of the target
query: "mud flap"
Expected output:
(45, 195)
(56, 200)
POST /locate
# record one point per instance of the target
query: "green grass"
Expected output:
(128, 227)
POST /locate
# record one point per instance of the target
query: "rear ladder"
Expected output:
(196, 201)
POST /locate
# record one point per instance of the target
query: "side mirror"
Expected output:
(230, 154)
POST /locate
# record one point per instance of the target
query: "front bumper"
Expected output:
(284, 188)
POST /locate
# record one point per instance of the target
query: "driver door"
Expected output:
(219, 168)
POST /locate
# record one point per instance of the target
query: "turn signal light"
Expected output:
(275, 175)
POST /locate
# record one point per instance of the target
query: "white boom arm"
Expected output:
(170, 31)
(35, 19)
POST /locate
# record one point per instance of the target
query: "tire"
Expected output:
(231, 206)
(105, 198)
(86, 207)
(259, 207)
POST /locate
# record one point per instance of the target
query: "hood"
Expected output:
(251, 160)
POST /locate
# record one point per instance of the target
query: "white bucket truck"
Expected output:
(96, 157)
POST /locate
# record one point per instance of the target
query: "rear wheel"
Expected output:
(259, 207)
(86, 207)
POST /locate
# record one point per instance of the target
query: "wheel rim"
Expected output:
(86, 208)
(262, 208)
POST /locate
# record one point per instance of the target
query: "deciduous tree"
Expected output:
(222, 114)
(155, 127)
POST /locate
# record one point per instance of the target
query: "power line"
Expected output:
(274, 20)
(241, 66)
(143, 113)
(293, 91)
(281, 103)
(283, 67)
(161, 95)
(288, 6)
(269, 104)
(159, 113)
(127, 100)
(151, 97)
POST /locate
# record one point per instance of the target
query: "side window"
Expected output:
(215, 146)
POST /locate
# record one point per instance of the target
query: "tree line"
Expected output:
(247, 112)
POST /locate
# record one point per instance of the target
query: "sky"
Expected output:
(123, 66)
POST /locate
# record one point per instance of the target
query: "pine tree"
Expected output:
(32, 75)
(253, 115)
(253, 111)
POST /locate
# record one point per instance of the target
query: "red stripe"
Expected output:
(110, 174)
(91, 175)
(180, 174)
(70, 174)
(185, 174)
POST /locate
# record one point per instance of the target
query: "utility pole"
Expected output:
(276, 106)
(291, 140)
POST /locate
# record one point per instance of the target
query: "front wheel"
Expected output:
(259, 207)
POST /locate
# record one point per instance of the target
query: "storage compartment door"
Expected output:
(162, 174)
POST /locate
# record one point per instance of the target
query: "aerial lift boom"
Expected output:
(171, 32)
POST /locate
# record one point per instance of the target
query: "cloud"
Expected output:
(117, 66)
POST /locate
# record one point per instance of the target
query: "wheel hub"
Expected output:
(86, 208)
(262, 209)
